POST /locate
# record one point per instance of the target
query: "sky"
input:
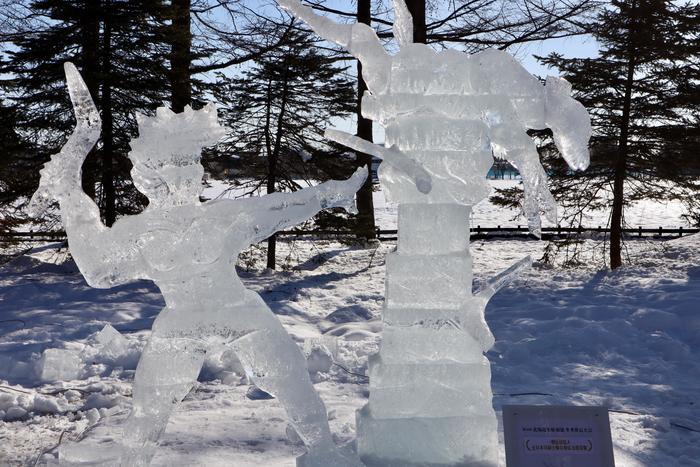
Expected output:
(578, 47)
(570, 47)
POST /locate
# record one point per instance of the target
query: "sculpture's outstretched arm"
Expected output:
(102, 260)
(278, 211)
(392, 156)
(357, 38)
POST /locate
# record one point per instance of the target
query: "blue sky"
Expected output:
(580, 47)
(569, 47)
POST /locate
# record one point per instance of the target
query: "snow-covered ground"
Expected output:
(645, 213)
(629, 340)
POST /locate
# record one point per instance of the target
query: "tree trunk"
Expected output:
(272, 160)
(107, 122)
(90, 33)
(365, 203)
(621, 166)
(618, 199)
(417, 9)
(180, 55)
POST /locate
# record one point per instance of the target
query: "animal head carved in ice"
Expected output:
(166, 155)
(450, 111)
(563, 113)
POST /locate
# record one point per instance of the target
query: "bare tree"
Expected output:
(478, 24)
(212, 35)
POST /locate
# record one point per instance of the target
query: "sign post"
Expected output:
(561, 436)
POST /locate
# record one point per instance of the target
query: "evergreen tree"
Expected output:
(642, 95)
(278, 110)
(200, 42)
(119, 47)
(18, 173)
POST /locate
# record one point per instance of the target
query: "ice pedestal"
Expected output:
(426, 441)
(430, 384)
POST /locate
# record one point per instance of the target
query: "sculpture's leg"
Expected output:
(276, 365)
(168, 368)
(166, 372)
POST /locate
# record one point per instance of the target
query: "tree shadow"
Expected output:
(46, 305)
(625, 340)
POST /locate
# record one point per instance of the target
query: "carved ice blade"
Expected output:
(391, 156)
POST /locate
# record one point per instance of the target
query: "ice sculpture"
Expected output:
(430, 395)
(189, 250)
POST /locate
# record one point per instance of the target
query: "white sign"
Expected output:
(557, 436)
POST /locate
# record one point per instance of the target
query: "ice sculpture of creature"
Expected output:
(448, 112)
(188, 249)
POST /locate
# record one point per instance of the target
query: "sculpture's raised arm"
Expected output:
(357, 38)
(101, 258)
(61, 176)
(519, 149)
(571, 129)
(520, 103)
(278, 211)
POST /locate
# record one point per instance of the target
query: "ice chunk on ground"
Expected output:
(60, 365)
(49, 404)
(319, 360)
(93, 416)
(112, 344)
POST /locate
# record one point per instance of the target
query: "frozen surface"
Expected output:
(447, 114)
(111, 343)
(187, 248)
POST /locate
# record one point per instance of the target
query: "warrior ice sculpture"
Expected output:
(189, 250)
(430, 394)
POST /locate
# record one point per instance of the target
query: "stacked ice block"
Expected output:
(430, 394)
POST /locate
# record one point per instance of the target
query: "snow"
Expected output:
(644, 213)
(628, 340)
